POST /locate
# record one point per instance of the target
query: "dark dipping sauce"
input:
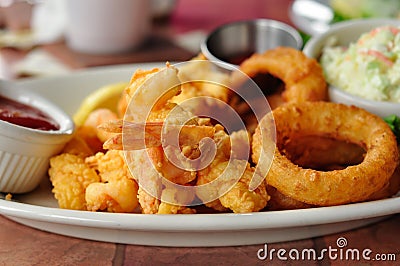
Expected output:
(24, 115)
(238, 58)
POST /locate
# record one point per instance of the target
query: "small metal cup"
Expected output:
(229, 44)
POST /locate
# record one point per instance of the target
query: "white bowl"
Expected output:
(345, 33)
(25, 152)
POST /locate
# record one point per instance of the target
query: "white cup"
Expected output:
(107, 26)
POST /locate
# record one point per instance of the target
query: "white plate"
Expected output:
(38, 209)
(311, 16)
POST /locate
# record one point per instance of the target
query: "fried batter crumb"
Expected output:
(8, 197)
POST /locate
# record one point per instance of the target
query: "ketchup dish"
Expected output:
(32, 129)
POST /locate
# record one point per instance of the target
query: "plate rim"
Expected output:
(202, 222)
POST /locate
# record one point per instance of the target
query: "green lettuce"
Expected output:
(394, 123)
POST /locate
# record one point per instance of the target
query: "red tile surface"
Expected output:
(21, 245)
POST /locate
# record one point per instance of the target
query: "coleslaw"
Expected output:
(369, 67)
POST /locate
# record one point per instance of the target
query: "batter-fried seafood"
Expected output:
(302, 76)
(167, 208)
(237, 198)
(240, 199)
(77, 146)
(89, 132)
(116, 191)
(138, 132)
(132, 134)
(195, 78)
(113, 196)
(153, 105)
(70, 177)
(200, 79)
(151, 187)
(137, 79)
(99, 182)
(354, 183)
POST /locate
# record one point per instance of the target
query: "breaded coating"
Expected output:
(114, 196)
(110, 165)
(70, 177)
(148, 203)
(78, 146)
(238, 198)
(117, 191)
(222, 172)
(166, 208)
(241, 200)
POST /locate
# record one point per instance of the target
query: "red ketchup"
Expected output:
(24, 115)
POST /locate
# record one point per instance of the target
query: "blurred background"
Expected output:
(33, 32)
(32, 35)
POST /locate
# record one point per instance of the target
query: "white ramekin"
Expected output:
(25, 152)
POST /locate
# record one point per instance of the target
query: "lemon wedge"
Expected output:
(104, 97)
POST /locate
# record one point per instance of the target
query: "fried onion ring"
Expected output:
(354, 183)
(303, 77)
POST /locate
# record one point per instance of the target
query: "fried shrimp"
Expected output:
(77, 146)
(110, 165)
(354, 183)
(113, 196)
(117, 191)
(151, 191)
(238, 198)
(89, 132)
(152, 165)
(199, 79)
(302, 76)
(132, 134)
(143, 129)
(167, 208)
